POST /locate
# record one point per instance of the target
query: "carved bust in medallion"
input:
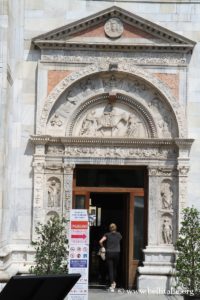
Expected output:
(114, 28)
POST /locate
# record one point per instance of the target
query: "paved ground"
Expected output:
(103, 294)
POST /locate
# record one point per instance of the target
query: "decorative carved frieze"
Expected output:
(55, 149)
(136, 58)
(118, 152)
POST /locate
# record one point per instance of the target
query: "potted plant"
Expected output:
(51, 248)
(188, 257)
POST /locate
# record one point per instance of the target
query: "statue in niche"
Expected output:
(88, 125)
(53, 193)
(167, 231)
(166, 195)
(132, 127)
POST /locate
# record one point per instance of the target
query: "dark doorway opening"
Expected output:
(109, 208)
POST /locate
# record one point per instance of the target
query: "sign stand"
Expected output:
(79, 252)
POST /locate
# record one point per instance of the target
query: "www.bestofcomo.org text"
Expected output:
(156, 291)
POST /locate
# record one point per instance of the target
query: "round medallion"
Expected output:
(114, 28)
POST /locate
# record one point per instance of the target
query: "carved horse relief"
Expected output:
(111, 122)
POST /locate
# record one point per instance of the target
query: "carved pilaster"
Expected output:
(68, 186)
(38, 193)
(182, 184)
(152, 208)
(162, 206)
(184, 147)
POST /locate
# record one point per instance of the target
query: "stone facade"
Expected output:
(114, 88)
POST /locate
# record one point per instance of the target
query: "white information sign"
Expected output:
(79, 252)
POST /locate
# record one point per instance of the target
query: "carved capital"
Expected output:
(40, 149)
(39, 166)
(183, 170)
(68, 168)
(161, 171)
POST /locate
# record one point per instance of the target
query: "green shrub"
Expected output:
(51, 248)
(188, 246)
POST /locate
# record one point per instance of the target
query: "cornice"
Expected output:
(156, 47)
(81, 141)
(59, 38)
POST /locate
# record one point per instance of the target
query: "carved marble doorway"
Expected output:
(119, 102)
(114, 195)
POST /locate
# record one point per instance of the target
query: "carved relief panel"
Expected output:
(168, 210)
(119, 115)
(110, 120)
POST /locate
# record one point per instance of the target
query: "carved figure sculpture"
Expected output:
(110, 120)
(132, 127)
(167, 231)
(166, 195)
(69, 96)
(87, 85)
(112, 83)
(88, 125)
(53, 193)
(165, 126)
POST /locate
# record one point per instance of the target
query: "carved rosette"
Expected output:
(114, 28)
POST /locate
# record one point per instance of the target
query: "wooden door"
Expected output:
(134, 237)
(137, 234)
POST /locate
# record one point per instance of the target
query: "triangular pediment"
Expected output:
(113, 29)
